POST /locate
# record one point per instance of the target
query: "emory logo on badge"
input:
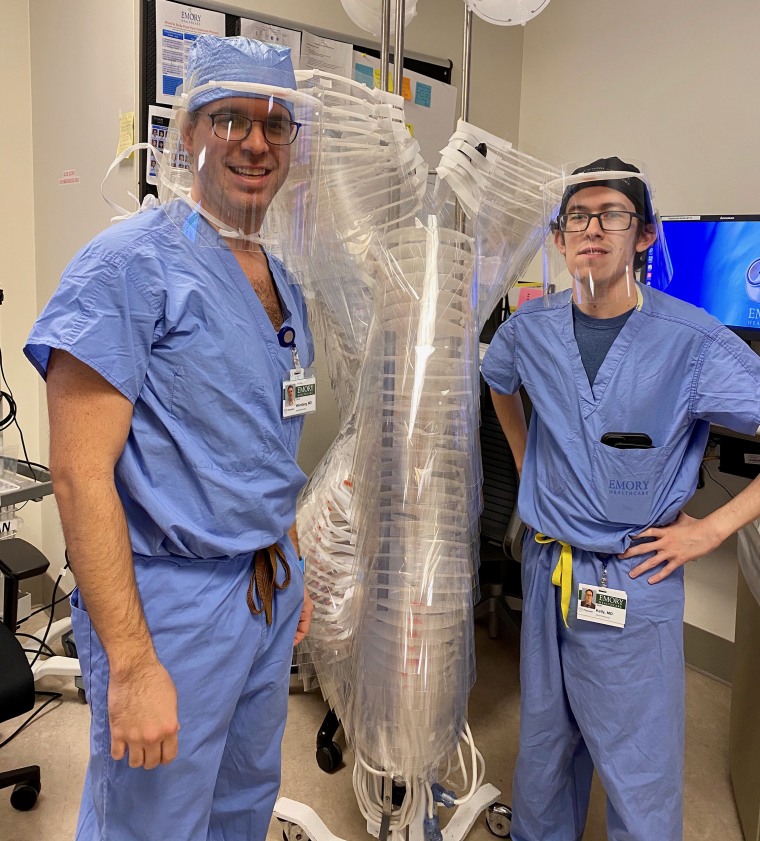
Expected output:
(610, 601)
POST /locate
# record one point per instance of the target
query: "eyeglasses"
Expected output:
(235, 127)
(609, 220)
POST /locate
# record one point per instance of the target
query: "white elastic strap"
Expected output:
(125, 214)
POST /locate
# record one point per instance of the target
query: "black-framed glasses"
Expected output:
(277, 130)
(609, 220)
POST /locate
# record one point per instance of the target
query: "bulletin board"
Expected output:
(169, 27)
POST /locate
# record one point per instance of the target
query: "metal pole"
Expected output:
(398, 52)
(465, 101)
(466, 63)
(385, 44)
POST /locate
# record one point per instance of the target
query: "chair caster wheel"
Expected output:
(329, 757)
(24, 796)
(82, 695)
(293, 832)
(499, 820)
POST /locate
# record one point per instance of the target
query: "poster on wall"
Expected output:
(271, 34)
(177, 26)
(159, 121)
(327, 54)
(430, 106)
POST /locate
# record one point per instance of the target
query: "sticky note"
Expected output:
(406, 88)
(126, 131)
(528, 293)
(423, 94)
(364, 75)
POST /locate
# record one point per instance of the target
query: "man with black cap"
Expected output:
(624, 382)
(165, 349)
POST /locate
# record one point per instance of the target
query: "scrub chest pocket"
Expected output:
(626, 482)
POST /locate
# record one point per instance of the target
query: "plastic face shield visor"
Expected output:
(239, 150)
(604, 236)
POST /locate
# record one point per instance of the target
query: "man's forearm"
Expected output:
(738, 512)
(511, 415)
(97, 540)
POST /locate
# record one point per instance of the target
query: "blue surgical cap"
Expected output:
(234, 60)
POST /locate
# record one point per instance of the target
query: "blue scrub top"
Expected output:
(209, 468)
(672, 370)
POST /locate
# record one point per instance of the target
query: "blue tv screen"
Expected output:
(716, 265)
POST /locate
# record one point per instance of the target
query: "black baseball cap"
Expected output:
(632, 188)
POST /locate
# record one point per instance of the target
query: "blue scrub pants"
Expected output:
(232, 673)
(593, 696)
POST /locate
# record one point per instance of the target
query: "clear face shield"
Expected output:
(604, 236)
(242, 141)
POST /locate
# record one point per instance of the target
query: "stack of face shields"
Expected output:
(416, 507)
(502, 192)
(388, 523)
(367, 176)
(372, 174)
(327, 539)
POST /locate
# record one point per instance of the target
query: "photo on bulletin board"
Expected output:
(160, 131)
(270, 34)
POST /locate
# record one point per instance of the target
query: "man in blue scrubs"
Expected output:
(624, 382)
(165, 350)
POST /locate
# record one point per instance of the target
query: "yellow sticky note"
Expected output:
(377, 80)
(406, 88)
(126, 131)
(411, 128)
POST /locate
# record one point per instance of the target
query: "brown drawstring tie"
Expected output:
(264, 580)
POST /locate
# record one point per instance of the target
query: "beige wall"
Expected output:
(17, 236)
(82, 73)
(673, 84)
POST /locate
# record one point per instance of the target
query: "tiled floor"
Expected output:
(58, 742)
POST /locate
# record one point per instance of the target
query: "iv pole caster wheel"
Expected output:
(329, 757)
(293, 832)
(499, 820)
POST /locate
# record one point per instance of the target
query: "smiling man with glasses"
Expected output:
(166, 348)
(624, 382)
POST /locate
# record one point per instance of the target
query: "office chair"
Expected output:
(18, 560)
(501, 529)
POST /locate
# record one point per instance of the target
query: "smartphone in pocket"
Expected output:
(627, 440)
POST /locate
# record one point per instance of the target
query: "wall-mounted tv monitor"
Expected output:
(716, 265)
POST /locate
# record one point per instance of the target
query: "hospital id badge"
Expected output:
(299, 393)
(602, 605)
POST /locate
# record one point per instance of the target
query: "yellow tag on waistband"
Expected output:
(562, 576)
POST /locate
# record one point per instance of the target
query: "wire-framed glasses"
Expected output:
(278, 131)
(609, 220)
